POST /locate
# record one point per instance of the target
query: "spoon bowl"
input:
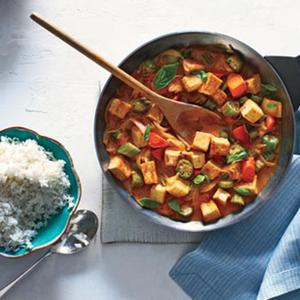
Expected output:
(82, 230)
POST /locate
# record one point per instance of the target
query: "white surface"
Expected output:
(47, 86)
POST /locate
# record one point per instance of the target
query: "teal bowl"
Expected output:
(58, 224)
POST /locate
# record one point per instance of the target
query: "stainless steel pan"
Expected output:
(269, 74)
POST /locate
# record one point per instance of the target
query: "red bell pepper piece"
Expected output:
(219, 73)
(248, 169)
(236, 85)
(241, 134)
(270, 122)
(156, 141)
(228, 120)
(158, 153)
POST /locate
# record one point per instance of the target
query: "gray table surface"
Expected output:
(48, 87)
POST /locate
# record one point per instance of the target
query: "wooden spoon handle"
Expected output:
(91, 54)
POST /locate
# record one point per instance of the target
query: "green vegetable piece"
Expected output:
(243, 99)
(171, 56)
(209, 104)
(268, 155)
(271, 142)
(235, 62)
(243, 191)
(137, 180)
(237, 156)
(268, 89)
(201, 74)
(141, 105)
(184, 168)
(256, 99)
(186, 211)
(149, 203)
(128, 150)
(200, 179)
(253, 133)
(148, 67)
(174, 205)
(223, 134)
(237, 199)
(147, 133)
(225, 184)
(116, 134)
(165, 75)
(231, 109)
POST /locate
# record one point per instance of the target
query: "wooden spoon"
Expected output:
(184, 118)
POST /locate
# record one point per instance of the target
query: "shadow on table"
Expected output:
(11, 13)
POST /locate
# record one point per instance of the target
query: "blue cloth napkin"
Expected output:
(258, 258)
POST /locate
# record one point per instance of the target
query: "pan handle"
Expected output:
(288, 69)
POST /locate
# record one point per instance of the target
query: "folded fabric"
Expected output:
(258, 258)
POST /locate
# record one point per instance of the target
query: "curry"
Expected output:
(218, 172)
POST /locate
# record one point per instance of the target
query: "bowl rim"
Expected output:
(74, 208)
(154, 216)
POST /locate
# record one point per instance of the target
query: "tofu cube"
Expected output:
(251, 186)
(211, 85)
(272, 107)
(158, 193)
(221, 196)
(233, 170)
(175, 86)
(210, 211)
(191, 83)
(190, 65)
(178, 188)
(155, 114)
(211, 170)
(119, 108)
(120, 167)
(220, 97)
(171, 157)
(219, 146)
(251, 111)
(138, 137)
(198, 159)
(148, 169)
(201, 141)
(253, 84)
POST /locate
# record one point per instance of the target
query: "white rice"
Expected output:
(33, 187)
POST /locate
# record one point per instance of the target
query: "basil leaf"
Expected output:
(174, 205)
(147, 133)
(165, 75)
(200, 179)
(236, 156)
(243, 191)
(201, 74)
(268, 89)
(116, 134)
(149, 203)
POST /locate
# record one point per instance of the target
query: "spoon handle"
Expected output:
(4, 290)
(94, 56)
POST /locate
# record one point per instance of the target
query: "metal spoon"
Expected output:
(175, 112)
(83, 227)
